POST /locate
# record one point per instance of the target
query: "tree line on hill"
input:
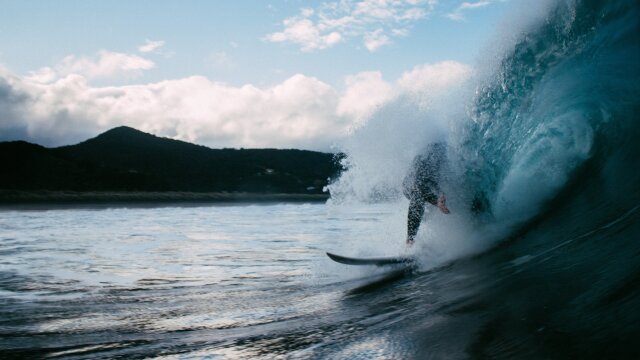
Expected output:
(125, 159)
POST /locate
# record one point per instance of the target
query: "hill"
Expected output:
(126, 159)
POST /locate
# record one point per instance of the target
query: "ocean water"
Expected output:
(542, 139)
(248, 281)
(211, 281)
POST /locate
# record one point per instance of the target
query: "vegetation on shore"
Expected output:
(124, 164)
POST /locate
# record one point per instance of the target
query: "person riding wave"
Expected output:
(421, 186)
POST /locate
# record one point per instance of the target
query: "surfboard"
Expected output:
(380, 261)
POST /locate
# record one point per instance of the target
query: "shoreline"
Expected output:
(44, 199)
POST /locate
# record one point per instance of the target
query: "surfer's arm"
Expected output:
(442, 204)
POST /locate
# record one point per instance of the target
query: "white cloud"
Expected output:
(434, 77)
(365, 92)
(307, 12)
(304, 32)
(457, 14)
(106, 65)
(475, 5)
(372, 20)
(300, 112)
(400, 32)
(375, 39)
(151, 46)
(43, 75)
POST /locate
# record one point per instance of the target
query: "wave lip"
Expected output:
(557, 101)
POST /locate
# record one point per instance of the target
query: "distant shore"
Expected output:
(14, 199)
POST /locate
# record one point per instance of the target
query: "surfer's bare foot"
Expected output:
(442, 204)
(409, 242)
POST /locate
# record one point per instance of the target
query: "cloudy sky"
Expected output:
(227, 73)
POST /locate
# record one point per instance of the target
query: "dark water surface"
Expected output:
(231, 281)
(253, 281)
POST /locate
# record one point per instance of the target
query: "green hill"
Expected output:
(125, 159)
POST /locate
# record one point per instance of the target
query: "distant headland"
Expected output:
(128, 165)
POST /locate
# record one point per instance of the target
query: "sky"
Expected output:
(253, 74)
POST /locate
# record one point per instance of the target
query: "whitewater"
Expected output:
(538, 259)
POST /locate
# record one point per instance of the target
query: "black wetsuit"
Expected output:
(421, 185)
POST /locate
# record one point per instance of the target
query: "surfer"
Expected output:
(421, 185)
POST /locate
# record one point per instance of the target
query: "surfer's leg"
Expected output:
(416, 211)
